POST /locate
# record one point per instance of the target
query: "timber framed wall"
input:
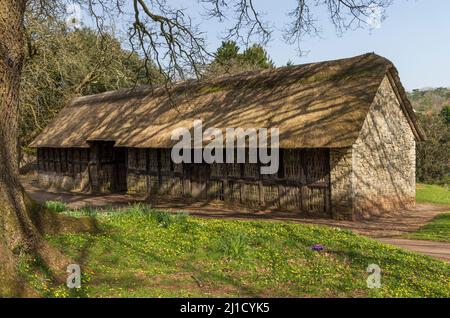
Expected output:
(356, 107)
(302, 183)
(63, 168)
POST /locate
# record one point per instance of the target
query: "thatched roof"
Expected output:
(314, 105)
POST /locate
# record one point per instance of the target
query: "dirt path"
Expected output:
(386, 229)
(436, 249)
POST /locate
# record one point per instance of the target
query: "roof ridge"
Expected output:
(146, 88)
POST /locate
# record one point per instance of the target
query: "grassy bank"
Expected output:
(437, 229)
(146, 253)
(427, 193)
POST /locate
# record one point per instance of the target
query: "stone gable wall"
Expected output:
(384, 157)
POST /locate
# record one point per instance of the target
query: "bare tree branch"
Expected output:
(166, 37)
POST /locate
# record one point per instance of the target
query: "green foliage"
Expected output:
(232, 245)
(136, 257)
(56, 206)
(228, 59)
(426, 193)
(181, 218)
(436, 230)
(433, 154)
(163, 218)
(433, 115)
(430, 100)
(445, 113)
(138, 209)
(289, 63)
(62, 62)
(86, 210)
(439, 228)
(227, 52)
(257, 56)
(41, 278)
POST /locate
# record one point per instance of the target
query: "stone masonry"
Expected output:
(377, 174)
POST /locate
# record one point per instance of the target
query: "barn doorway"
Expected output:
(108, 167)
(120, 166)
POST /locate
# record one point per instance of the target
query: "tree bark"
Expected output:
(18, 235)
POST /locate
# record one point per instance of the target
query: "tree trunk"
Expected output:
(18, 234)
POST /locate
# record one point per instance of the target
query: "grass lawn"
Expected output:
(141, 252)
(427, 193)
(437, 229)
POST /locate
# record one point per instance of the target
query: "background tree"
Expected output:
(228, 60)
(433, 155)
(62, 62)
(165, 37)
(445, 113)
(227, 52)
(433, 115)
(256, 55)
(430, 100)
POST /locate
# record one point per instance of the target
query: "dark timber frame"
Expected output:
(302, 183)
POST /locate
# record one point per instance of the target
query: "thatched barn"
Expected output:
(347, 140)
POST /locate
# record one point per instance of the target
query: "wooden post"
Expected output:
(93, 167)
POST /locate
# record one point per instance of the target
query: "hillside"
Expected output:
(141, 252)
(430, 100)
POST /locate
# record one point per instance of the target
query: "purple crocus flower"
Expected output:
(317, 247)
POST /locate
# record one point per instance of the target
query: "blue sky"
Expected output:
(415, 36)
